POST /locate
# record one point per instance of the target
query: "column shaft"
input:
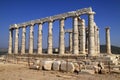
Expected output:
(91, 43)
(98, 41)
(16, 41)
(40, 38)
(75, 35)
(70, 41)
(82, 36)
(95, 38)
(10, 42)
(50, 47)
(61, 39)
(23, 40)
(31, 37)
(108, 43)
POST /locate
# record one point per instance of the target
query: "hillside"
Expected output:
(114, 49)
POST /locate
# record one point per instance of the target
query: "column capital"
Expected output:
(91, 13)
(32, 24)
(107, 28)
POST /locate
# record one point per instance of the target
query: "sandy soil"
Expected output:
(22, 72)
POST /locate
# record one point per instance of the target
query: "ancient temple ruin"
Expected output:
(83, 40)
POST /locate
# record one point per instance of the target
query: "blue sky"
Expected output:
(18, 11)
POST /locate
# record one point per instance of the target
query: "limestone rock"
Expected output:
(77, 68)
(67, 66)
(56, 65)
(47, 65)
(88, 71)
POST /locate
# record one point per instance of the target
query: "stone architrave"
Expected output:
(108, 43)
(23, 40)
(61, 39)
(70, 41)
(50, 46)
(75, 35)
(16, 40)
(82, 36)
(31, 37)
(40, 38)
(10, 41)
(91, 38)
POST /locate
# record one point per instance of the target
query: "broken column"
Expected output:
(82, 36)
(108, 43)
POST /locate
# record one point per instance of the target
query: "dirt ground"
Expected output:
(22, 72)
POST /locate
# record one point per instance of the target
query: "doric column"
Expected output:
(31, 37)
(40, 38)
(98, 41)
(75, 35)
(91, 43)
(82, 35)
(16, 41)
(108, 43)
(95, 38)
(50, 47)
(86, 45)
(10, 41)
(23, 40)
(70, 41)
(61, 37)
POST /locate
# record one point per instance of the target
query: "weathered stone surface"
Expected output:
(56, 65)
(67, 66)
(47, 65)
(77, 68)
(88, 71)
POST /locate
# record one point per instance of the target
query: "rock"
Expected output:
(56, 65)
(77, 68)
(34, 67)
(67, 66)
(88, 71)
(47, 65)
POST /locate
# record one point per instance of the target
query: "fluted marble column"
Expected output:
(50, 46)
(95, 38)
(70, 41)
(10, 41)
(23, 40)
(75, 35)
(98, 41)
(31, 37)
(40, 38)
(82, 36)
(91, 43)
(108, 43)
(16, 41)
(61, 39)
(86, 45)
